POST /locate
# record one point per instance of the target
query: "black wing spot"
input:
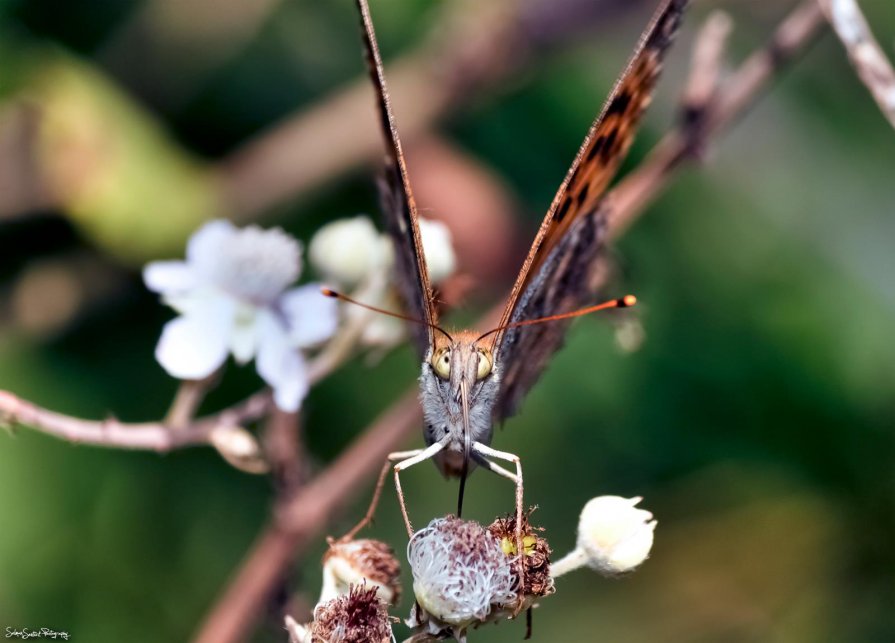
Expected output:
(582, 193)
(609, 145)
(596, 147)
(619, 104)
(563, 210)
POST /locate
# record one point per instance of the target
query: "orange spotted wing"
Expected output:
(562, 269)
(563, 265)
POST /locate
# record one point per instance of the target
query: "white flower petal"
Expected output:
(312, 317)
(281, 365)
(168, 276)
(206, 243)
(244, 337)
(193, 346)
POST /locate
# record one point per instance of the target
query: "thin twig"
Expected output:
(150, 436)
(867, 57)
(187, 400)
(173, 432)
(705, 68)
(631, 195)
(309, 511)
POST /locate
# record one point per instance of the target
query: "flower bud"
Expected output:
(238, 447)
(361, 562)
(614, 537)
(348, 250)
(459, 573)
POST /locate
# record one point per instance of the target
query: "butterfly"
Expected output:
(470, 380)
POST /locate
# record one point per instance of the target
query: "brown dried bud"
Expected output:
(358, 562)
(358, 617)
(536, 558)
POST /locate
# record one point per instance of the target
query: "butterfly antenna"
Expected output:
(622, 302)
(327, 292)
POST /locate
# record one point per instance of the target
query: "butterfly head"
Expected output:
(461, 358)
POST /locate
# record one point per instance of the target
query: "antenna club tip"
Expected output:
(627, 301)
(327, 292)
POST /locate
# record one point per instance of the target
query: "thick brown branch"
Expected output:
(302, 518)
(873, 68)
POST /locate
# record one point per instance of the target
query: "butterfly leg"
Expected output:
(390, 459)
(423, 455)
(485, 452)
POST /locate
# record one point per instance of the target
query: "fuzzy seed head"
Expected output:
(459, 571)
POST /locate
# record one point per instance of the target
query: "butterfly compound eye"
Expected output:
(442, 364)
(484, 364)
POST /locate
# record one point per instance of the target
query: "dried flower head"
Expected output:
(614, 537)
(536, 556)
(358, 562)
(357, 617)
(460, 573)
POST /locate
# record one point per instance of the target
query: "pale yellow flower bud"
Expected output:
(614, 537)
(347, 251)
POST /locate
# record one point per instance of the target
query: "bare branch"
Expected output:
(177, 429)
(151, 436)
(867, 57)
(187, 400)
(705, 67)
(642, 185)
(302, 518)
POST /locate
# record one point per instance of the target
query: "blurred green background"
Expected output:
(757, 419)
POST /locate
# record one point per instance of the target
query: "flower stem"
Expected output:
(568, 563)
(187, 400)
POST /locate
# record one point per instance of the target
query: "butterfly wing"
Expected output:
(563, 267)
(399, 208)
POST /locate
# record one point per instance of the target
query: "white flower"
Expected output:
(232, 298)
(351, 254)
(613, 537)
(459, 571)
